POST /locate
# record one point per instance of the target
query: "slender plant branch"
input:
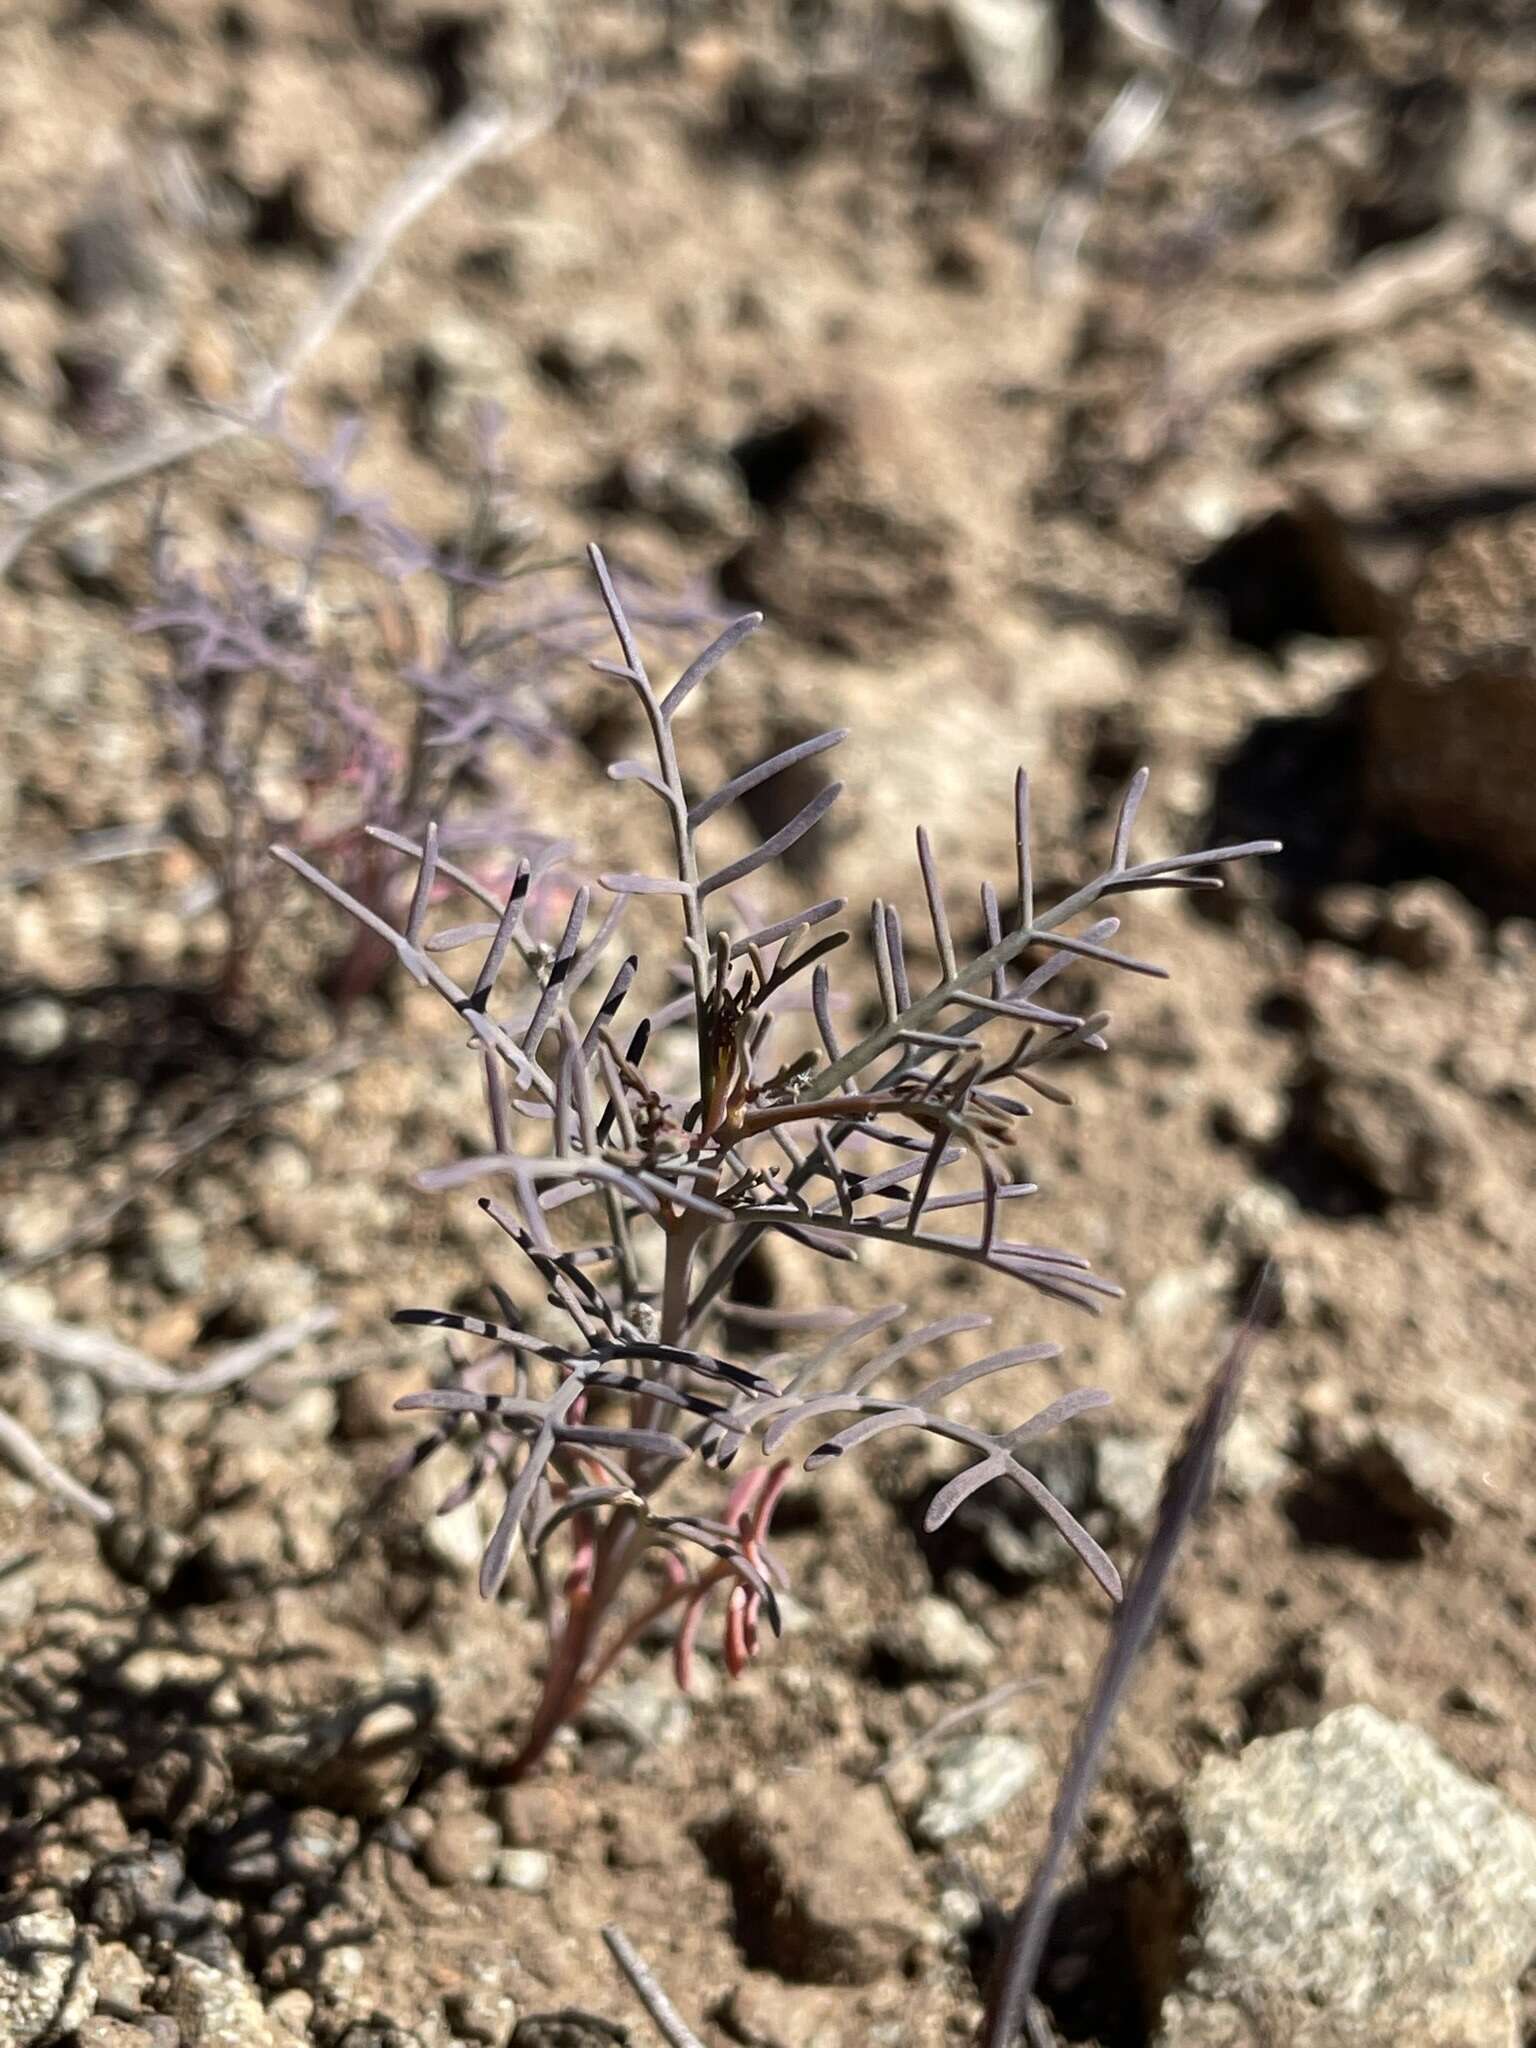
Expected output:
(470, 137)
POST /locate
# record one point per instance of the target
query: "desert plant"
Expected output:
(353, 673)
(1012, 2011)
(830, 1145)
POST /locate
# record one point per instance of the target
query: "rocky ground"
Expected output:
(1225, 464)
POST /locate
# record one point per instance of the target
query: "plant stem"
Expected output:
(572, 1673)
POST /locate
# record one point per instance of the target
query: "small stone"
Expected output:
(481, 2013)
(1249, 1115)
(568, 2029)
(272, 1290)
(1128, 1478)
(762, 2011)
(1427, 925)
(75, 1403)
(177, 1256)
(1450, 733)
(971, 1781)
(589, 359)
(462, 1849)
(101, 262)
(293, 2010)
(540, 1815)
(1349, 913)
(825, 1876)
(1350, 1883)
(217, 2008)
(933, 1639)
(101, 2031)
(455, 1542)
(47, 1987)
(1254, 1221)
(521, 1870)
(693, 488)
(649, 1714)
(1174, 1296)
(34, 1029)
(1010, 48)
(1252, 1463)
(1414, 1474)
(147, 1672)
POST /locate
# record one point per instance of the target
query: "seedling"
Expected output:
(635, 1201)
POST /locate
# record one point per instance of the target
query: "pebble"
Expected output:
(463, 1848)
(34, 1029)
(1128, 1478)
(481, 2013)
(74, 1403)
(177, 1255)
(217, 2008)
(651, 1714)
(1011, 50)
(970, 1782)
(521, 1870)
(933, 1639)
(1406, 1145)
(46, 1984)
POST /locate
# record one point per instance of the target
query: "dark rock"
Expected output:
(101, 263)
(1451, 749)
(568, 2029)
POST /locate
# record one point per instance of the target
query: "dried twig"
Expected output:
(21, 1450)
(93, 849)
(464, 142)
(1186, 1489)
(664, 2015)
(122, 1370)
(962, 1716)
(168, 1156)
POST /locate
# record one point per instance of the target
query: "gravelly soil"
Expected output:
(760, 313)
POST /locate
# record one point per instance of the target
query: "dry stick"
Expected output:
(466, 139)
(122, 1370)
(1212, 357)
(178, 1151)
(1186, 1489)
(665, 2017)
(956, 1717)
(21, 1450)
(94, 849)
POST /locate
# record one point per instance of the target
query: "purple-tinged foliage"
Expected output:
(899, 1138)
(350, 674)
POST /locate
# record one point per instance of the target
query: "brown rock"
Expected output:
(1405, 1144)
(1451, 719)
(826, 1885)
(461, 1849)
(852, 550)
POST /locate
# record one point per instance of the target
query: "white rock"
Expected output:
(1350, 1874)
(522, 1870)
(933, 1639)
(1010, 48)
(971, 1780)
(46, 1984)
